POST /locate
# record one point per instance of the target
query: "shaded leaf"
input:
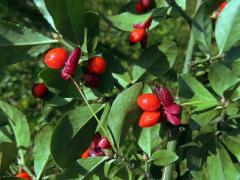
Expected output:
(123, 112)
(163, 157)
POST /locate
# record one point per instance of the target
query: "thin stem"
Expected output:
(23, 164)
(188, 59)
(65, 43)
(167, 172)
(93, 113)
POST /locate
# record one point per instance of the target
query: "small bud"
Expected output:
(71, 64)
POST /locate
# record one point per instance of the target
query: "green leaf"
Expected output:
(125, 21)
(8, 152)
(68, 17)
(220, 166)
(198, 89)
(124, 112)
(21, 41)
(16, 35)
(164, 157)
(149, 139)
(82, 168)
(42, 149)
(19, 125)
(43, 9)
(221, 78)
(73, 134)
(203, 34)
(155, 61)
(227, 28)
(233, 144)
(202, 119)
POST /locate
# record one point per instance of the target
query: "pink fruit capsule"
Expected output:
(173, 119)
(165, 96)
(174, 109)
(71, 64)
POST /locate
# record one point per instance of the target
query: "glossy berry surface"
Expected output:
(96, 65)
(148, 102)
(23, 175)
(55, 58)
(39, 90)
(104, 143)
(136, 36)
(139, 8)
(149, 118)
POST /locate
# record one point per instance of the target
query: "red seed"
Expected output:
(147, 4)
(149, 118)
(55, 58)
(71, 64)
(96, 65)
(148, 102)
(85, 155)
(139, 8)
(104, 143)
(136, 36)
(23, 175)
(39, 90)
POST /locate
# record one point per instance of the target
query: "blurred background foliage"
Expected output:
(16, 80)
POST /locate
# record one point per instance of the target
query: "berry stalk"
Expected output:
(90, 108)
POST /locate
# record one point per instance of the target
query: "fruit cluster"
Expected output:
(99, 147)
(95, 67)
(142, 6)
(140, 34)
(158, 107)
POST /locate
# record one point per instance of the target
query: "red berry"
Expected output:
(148, 102)
(85, 155)
(91, 80)
(39, 90)
(136, 36)
(23, 175)
(96, 65)
(147, 4)
(139, 8)
(55, 58)
(149, 118)
(104, 143)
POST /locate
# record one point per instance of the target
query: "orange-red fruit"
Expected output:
(96, 65)
(39, 90)
(149, 118)
(55, 58)
(23, 175)
(139, 8)
(85, 155)
(148, 102)
(136, 35)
